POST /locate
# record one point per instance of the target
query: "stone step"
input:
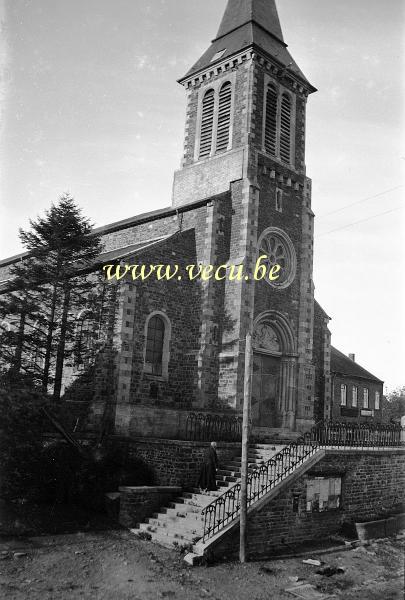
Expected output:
(170, 542)
(222, 484)
(259, 446)
(236, 465)
(199, 500)
(192, 519)
(183, 509)
(173, 514)
(174, 517)
(200, 497)
(232, 472)
(184, 506)
(181, 523)
(168, 533)
(212, 493)
(227, 478)
(181, 526)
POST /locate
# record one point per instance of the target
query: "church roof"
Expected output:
(136, 248)
(343, 365)
(248, 23)
(240, 12)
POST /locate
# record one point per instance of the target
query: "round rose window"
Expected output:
(279, 250)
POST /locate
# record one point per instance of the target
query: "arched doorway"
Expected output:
(266, 376)
(274, 367)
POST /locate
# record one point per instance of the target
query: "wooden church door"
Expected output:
(265, 389)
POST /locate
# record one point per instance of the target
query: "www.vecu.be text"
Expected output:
(194, 272)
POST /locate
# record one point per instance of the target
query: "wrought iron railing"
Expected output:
(261, 480)
(358, 435)
(225, 508)
(207, 428)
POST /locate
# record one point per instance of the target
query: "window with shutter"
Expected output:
(343, 395)
(207, 123)
(285, 129)
(224, 117)
(270, 130)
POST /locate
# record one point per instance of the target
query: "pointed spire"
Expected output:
(240, 12)
(248, 24)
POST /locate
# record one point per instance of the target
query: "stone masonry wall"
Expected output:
(372, 483)
(139, 503)
(176, 462)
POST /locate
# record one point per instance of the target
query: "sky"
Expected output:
(90, 105)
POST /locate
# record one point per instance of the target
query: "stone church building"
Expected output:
(164, 349)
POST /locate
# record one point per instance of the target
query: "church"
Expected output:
(164, 350)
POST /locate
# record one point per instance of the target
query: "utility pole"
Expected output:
(245, 446)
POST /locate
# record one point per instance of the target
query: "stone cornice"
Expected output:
(271, 65)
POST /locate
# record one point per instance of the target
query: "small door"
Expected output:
(266, 371)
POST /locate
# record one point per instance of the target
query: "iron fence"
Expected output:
(358, 435)
(207, 428)
(266, 476)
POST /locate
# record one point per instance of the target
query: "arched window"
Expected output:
(224, 117)
(207, 123)
(285, 129)
(154, 344)
(270, 130)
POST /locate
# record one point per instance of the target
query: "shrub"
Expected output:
(21, 428)
(56, 471)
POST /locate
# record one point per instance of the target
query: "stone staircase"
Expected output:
(180, 524)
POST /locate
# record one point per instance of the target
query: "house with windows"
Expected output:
(356, 393)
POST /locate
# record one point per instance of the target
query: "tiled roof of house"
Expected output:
(343, 365)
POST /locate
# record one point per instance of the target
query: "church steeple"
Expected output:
(246, 97)
(261, 12)
(249, 24)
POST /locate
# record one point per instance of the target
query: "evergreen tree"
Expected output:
(46, 290)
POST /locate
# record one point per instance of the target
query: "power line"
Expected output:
(360, 201)
(361, 221)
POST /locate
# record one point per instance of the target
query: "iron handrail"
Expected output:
(225, 508)
(261, 480)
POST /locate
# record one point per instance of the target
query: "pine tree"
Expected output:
(46, 290)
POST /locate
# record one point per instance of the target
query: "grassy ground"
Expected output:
(116, 565)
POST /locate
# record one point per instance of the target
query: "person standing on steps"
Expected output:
(207, 480)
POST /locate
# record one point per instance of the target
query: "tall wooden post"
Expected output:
(245, 446)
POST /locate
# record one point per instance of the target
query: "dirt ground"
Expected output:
(116, 565)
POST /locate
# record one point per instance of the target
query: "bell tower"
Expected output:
(245, 140)
(247, 93)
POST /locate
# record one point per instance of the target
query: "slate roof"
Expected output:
(263, 12)
(248, 23)
(343, 365)
(138, 247)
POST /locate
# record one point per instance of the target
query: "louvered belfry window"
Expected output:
(285, 128)
(224, 117)
(207, 123)
(270, 131)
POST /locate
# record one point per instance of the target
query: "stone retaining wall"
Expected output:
(139, 503)
(176, 462)
(372, 484)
